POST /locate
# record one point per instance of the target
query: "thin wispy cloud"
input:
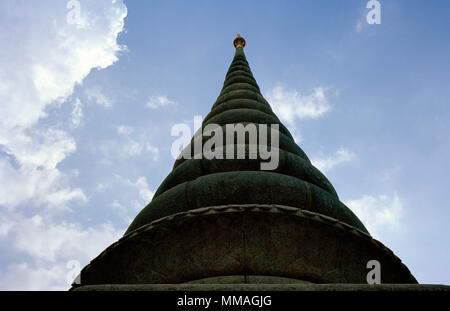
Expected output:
(327, 163)
(97, 96)
(140, 193)
(142, 186)
(381, 214)
(128, 144)
(360, 25)
(291, 105)
(77, 113)
(125, 130)
(157, 101)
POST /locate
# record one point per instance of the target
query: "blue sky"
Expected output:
(87, 110)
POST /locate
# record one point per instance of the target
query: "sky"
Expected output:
(90, 90)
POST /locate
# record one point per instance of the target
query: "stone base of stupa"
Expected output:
(264, 287)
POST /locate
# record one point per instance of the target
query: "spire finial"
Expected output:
(239, 42)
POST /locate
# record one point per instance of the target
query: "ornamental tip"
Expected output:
(239, 42)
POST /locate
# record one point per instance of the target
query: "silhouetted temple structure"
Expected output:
(227, 221)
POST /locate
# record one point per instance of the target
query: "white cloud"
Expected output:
(296, 135)
(77, 113)
(5, 227)
(127, 205)
(359, 25)
(325, 164)
(46, 57)
(289, 105)
(141, 185)
(134, 148)
(50, 246)
(154, 151)
(119, 207)
(32, 277)
(380, 214)
(144, 191)
(42, 239)
(96, 95)
(39, 147)
(35, 179)
(123, 211)
(157, 101)
(102, 186)
(125, 130)
(129, 145)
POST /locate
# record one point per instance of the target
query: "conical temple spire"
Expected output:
(226, 219)
(240, 181)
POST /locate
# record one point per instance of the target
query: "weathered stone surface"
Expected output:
(247, 240)
(245, 187)
(289, 164)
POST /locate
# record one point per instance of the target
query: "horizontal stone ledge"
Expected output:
(265, 287)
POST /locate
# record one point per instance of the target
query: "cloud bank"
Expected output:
(43, 59)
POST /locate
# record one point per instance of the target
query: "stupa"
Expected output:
(227, 221)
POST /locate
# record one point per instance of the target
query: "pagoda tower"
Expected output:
(226, 220)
